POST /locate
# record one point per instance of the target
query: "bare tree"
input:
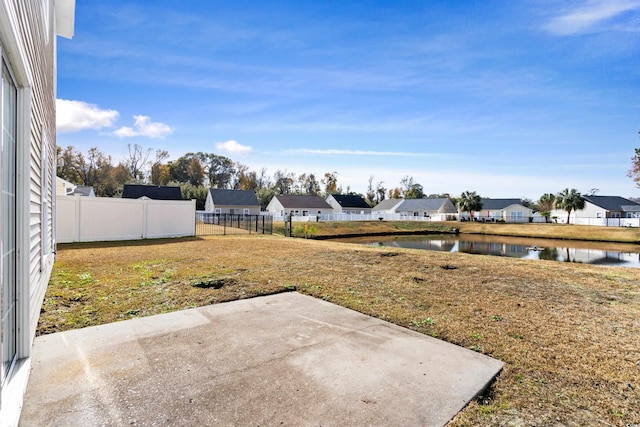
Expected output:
(380, 192)
(371, 192)
(137, 160)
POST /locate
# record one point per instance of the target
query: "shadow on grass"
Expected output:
(121, 243)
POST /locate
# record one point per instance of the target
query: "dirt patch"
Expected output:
(214, 283)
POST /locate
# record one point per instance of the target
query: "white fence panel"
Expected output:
(168, 218)
(93, 219)
(603, 222)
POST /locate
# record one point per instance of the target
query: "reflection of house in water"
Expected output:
(434, 245)
(537, 249)
(492, 248)
(596, 256)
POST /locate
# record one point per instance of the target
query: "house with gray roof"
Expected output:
(66, 188)
(601, 208)
(348, 204)
(299, 205)
(84, 190)
(440, 208)
(232, 201)
(503, 210)
(610, 207)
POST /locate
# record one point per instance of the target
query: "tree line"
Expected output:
(195, 173)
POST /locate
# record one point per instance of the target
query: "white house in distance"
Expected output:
(507, 210)
(439, 209)
(66, 188)
(299, 205)
(348, 204)
(598, 209)
(232, 202)
(28, 140)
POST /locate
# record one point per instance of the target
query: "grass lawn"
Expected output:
(568, 333)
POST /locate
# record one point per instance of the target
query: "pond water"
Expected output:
(621, 255)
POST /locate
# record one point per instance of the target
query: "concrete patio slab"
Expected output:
(285, 359)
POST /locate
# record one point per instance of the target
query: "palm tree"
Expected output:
(469, 202)
(545, 205)
(569, 200)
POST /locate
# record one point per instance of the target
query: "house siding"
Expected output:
(27, 44)
(238, 209)
(275, 207)
(334, 204)
(591, 211)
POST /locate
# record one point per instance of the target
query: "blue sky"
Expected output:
(508, 99)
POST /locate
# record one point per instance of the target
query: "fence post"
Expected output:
(77, 234)
(145, 213)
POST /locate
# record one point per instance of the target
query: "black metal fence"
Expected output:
(209, 223)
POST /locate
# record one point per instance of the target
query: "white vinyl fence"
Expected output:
(93, 219)
(602, 222)
(368, 217)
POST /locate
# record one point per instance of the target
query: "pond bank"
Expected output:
(330, 230)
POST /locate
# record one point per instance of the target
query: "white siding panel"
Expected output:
(28, 44)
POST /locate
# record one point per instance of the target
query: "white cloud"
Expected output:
(586, 18)
(232, 146)
(144, 127)
(74, 116)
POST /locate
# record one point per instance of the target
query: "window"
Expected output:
(598, 214)
(517, 216)
(246, 211)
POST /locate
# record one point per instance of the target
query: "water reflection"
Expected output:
(536, 249)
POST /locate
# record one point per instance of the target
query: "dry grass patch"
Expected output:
(568, 333)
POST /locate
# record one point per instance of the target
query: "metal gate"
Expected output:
(209, 224)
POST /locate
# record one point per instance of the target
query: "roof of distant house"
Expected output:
(425, 205)
(495, 204)
(351, 201)
(155, 192)
(303, 201)
(613, 203)
(224, 197)
(387, 204)
(83, 190)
